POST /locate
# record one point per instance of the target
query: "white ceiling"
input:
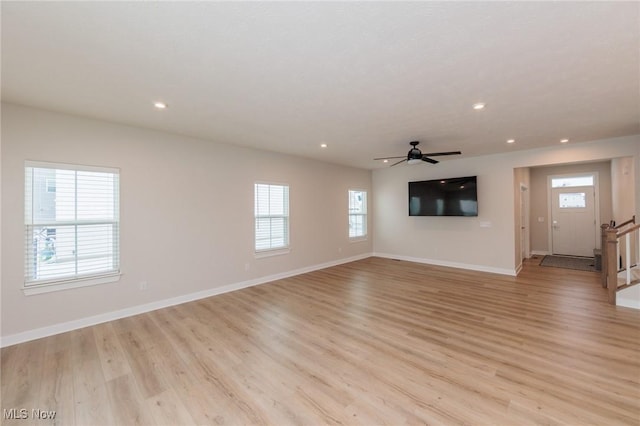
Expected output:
(364, 78)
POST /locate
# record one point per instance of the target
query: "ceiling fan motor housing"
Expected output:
(414, 154)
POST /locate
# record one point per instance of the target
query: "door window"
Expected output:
(572, 200)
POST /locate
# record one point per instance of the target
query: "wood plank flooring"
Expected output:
(371, 342)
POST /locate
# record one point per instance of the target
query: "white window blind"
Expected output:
(357, 214)
(271, 217)
(71, 222)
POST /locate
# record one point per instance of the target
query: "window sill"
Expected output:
(50, 286)
(272, 252)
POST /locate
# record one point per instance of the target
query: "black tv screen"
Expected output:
(444, 197)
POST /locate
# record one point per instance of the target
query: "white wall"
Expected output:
(186, 215)
(461, 241)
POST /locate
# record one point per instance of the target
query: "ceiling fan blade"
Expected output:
(429, 160)
(435, 154)
(395, 164)
(389, 158)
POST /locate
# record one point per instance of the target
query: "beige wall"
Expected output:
(453, 241)
(186, 213)
(540, 198)
(622, 182)
(462, 241)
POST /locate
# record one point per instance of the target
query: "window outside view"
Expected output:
(357, 214)
(572, 200)
(71, 224)
(271, 217)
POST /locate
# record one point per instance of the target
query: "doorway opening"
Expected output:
(575, 214)
(524, 222)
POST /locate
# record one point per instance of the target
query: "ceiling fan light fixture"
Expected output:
(414, 153)
(415, 156)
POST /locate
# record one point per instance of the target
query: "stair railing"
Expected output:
(629, 232)
(603, 247)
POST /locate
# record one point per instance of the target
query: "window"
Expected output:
(71, 225)
(576, 200)
(357, 214)
(271, 217)
(568, 182)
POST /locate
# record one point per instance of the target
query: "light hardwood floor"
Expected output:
(372, 342)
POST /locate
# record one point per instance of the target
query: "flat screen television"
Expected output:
(444, 197)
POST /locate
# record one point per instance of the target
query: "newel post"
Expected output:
(612, 267)
(603, 254)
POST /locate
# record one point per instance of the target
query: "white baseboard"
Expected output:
(38, 333)
(481, 268)
(540, 252)
(518, 268)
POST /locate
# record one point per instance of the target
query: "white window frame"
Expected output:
(363, 215)
(278, 250)
(31, 286)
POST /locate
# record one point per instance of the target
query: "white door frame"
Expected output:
(596, 188)
(525, 247)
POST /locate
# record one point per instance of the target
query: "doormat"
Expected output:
(568, 262)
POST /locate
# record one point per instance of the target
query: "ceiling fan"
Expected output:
(415, 156)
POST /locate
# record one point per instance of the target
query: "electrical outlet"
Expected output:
(143, 285)
(247, 266)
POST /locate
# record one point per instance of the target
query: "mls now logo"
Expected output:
(15, 413)
(42, 414)
(23, 413)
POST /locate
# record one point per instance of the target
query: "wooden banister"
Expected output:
(611, 237)
(612, 267)
(626, 231)
(603, 255)
(632, 220)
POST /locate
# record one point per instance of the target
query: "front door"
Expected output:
(573, 220)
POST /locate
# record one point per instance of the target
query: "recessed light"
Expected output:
(323, 145)
(442, 181)
(511, 140)
(479, 105)
(160, 105)
(564, 140)
(385, 161)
